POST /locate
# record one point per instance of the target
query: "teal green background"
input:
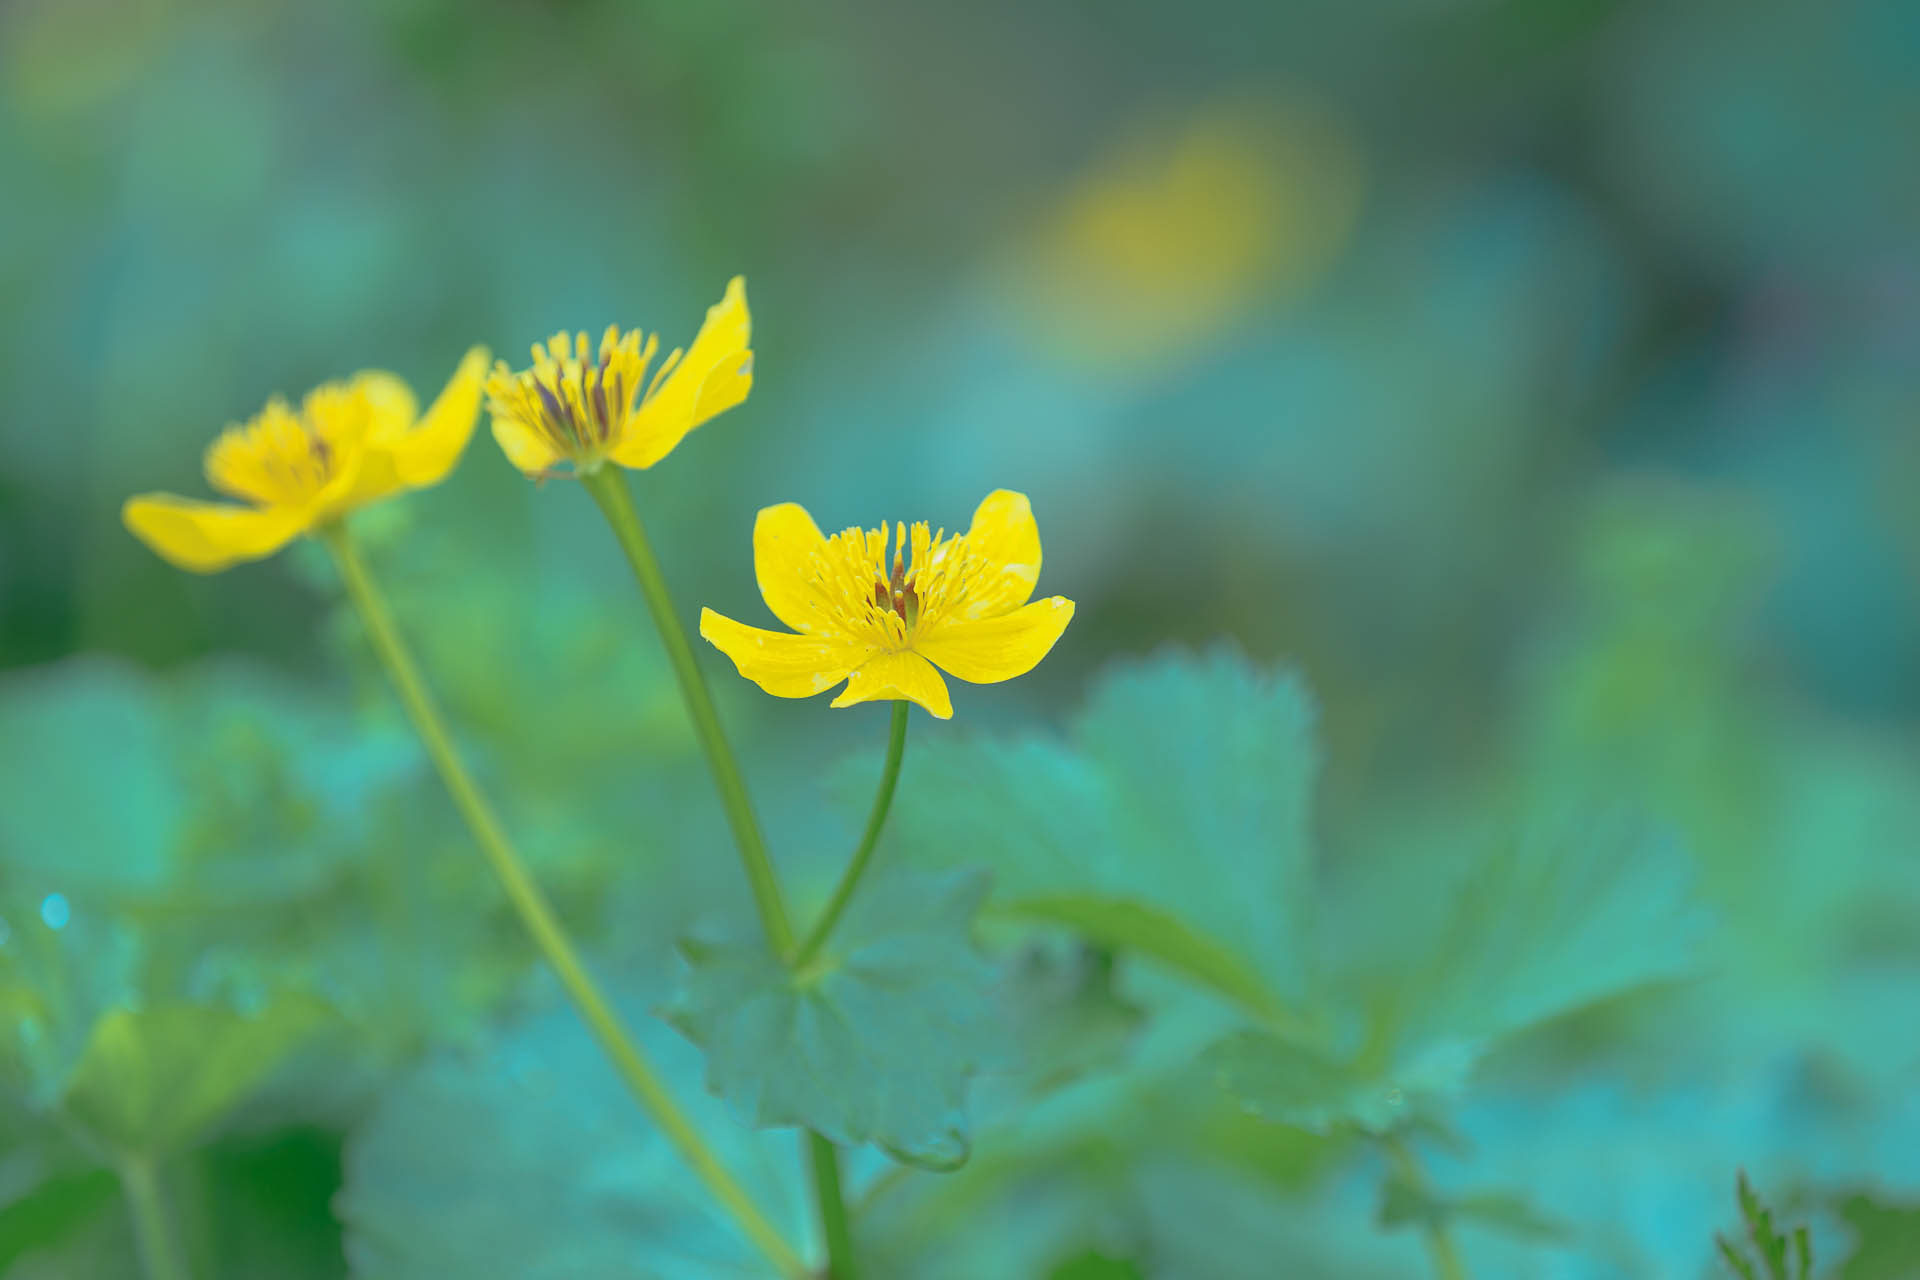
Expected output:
(1539, 381)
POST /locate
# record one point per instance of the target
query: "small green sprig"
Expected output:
(1781, 1257)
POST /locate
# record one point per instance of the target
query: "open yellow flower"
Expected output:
(349, 443)
(584, 409)
(958, 603)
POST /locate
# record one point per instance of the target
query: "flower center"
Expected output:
(278, 457)
(897, 594)
(575, 400)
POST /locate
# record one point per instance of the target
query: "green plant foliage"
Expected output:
(1781, 1257)
(1365, 1001)
(1174, 826)
(1094, 1265)
(873, 1041)
(46, 1214)
(1064, 1018)
(1403, 1204)
(1886, 1238)
(523, 1155)
(54, 819)
(153, 1080)
(227, 788)
(161, 979)
(1303, 1085)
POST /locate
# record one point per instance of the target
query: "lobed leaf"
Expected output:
(1176, 827)
(525, 1156)
(873, 1041)
(153, 1081)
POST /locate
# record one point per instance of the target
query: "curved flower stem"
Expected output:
(832, 1206)
(850, 879)
(609, 489)
(160, 1256)
(538, 916)
(1440, 1246)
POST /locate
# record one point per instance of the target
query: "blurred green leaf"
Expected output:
(1886, 1239)
(1178, 826)
(873, 1041)
(220, 787)
(42, 1217)
(268, 1205)
(1064, 1016)
(525, 1156)
(88, 789)
(1782, 1257)
(152, 1081)
(1403, 1204)
(1484, 931)
(54, 985)
(1094, 1265)
(1441, 951)
(1178, 830)
(1156, 935)
(1303, 1085)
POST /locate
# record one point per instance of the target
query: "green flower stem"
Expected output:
(833, 1207)
(538, 916)
(850, 879)
(1440, 1246)
(609, 489)
(160, 1254)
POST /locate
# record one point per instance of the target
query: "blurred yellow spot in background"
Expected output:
(1184, 226)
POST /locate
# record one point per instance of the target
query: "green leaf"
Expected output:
(1094, 1265)
(88, 792)
(1768, 1242)
(1153, 933)
(1177, 825)
(153, 1081)
(873, 1041)
(1402, 1204)
(1447, 948)
(1305, 1086)
(1479, 933)
(227, 787)
(1886, 1238)
(1065, 1018)
(526, 1156)
(44, 1216)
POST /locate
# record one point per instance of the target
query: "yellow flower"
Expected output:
(350, 443)
(574, 407)
(958, 603)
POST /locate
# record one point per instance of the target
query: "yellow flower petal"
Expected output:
(898, 675)
(988, 650)
(524, 447)
(268, 460)
(424, 454)
(1004, 535)
(715, 375)
(786, 666)
(786, 542)
(205, 537)
(365, 476)
(391, 407)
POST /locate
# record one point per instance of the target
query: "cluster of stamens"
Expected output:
(863, 594)
(279, 455)
(579, 402)
(897, 594)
